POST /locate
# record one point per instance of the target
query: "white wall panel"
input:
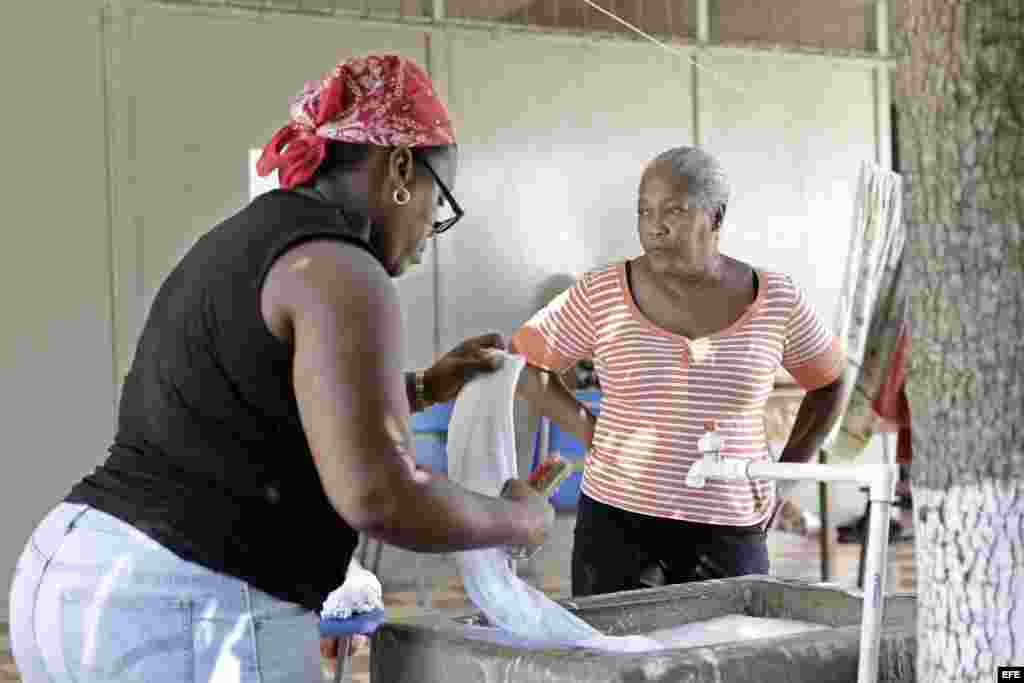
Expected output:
(553, 138)
(792, 144)
(56, 363)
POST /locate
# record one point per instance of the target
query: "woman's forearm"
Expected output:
(440, 516)
(548, 395)
(818, 412)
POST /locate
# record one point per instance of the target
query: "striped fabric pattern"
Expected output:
(659, 389)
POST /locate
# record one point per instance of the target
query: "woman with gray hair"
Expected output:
(682, 336)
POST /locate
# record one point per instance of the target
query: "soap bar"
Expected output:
(544, 479)
(551, 472)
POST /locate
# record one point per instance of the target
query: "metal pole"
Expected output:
(545, 439)
(882, 27)
(825, 539)
(339, 671)
(882, 480)
(703, 27)
(437, 67)
(883, 114)
(703, 22)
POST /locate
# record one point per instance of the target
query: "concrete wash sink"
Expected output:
(438, 647)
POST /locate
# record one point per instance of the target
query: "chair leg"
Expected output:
(422, 594)
(376, 557)
(825, 540)
(363, 549)
(864, 545)
(339, 671)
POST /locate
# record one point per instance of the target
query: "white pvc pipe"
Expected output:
(881, 480)
(874, 591)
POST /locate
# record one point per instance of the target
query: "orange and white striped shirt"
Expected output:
(659, 389)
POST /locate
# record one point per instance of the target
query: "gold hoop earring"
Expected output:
(401, 196)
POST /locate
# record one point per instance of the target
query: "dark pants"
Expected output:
(615, 550)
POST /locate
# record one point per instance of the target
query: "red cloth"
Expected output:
(891, 404)
(385, 100)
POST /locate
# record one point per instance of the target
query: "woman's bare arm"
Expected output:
(341, 313)
(545, 391)
(818, 412)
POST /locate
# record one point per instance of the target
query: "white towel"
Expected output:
(361, 592)
(481, 457)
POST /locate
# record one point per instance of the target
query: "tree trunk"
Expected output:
(960, 93)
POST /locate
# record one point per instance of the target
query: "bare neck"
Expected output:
(679, 284)
(340, 192)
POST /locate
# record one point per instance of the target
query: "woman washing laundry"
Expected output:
(263, 424)
(680, 336)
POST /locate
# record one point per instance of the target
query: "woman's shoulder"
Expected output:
(603, 279)
(605, 271)
(782, 289)
(774, 279)
(599, 275)
(741, 271)
(774, 286)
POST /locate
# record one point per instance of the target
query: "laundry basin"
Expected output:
(459, 646)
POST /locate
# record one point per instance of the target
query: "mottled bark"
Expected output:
(960, 95)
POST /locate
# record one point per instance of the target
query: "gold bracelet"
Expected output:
(421, 389)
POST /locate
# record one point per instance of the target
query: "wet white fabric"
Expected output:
(481, 457)
(730, 628)
(361, 592)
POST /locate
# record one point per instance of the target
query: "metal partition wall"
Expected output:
(554, 129)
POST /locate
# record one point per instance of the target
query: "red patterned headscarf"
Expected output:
(383, 100)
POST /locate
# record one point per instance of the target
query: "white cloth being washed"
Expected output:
(481, 457)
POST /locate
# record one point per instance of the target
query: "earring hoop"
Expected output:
(401, 196)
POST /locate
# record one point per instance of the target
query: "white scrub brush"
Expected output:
(361, 592)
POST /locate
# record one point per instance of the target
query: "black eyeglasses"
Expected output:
(441, 226)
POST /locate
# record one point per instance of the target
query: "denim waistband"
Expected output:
(76, 540)
(47, 537)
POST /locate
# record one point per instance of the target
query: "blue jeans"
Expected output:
(94, 599)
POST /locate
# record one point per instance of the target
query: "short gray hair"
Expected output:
(708, 183)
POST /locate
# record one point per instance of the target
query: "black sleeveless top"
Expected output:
(210, 458)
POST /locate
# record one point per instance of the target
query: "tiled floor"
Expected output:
(792, 556)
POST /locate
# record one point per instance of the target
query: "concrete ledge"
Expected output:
(435, 647)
